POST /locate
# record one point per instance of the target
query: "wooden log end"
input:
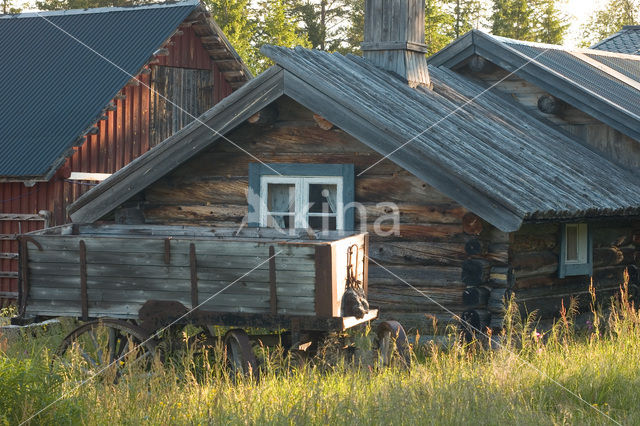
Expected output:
(472, 224)
(323, 123)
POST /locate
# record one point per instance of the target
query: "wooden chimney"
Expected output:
(394, 38)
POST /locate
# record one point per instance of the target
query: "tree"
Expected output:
(550, 24)
(529, 20)
(85, 4)
(610, 20)
(323, 22)
(513, 19)
(467, 15)
(437, 25)
(277, 25)
(235, 18)
(354, 33)
(7, 8)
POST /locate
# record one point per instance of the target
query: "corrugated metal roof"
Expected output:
(60, 69)
(601, 84)
(626, 40)
(596, 80)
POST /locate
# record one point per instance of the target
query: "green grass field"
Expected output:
(523, 383)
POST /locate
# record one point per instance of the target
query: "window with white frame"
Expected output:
(287, 196)
(576, 251)
(302, 202)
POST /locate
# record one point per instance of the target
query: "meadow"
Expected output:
(528, 375)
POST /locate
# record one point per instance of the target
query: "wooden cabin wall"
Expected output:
(534, 254)
(525, 264)
(428, 254)
(609, 142)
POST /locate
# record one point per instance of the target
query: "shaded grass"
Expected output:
(459, 384)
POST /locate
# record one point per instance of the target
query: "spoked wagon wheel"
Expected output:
(393, 345)
(240, 357)
(104, 347)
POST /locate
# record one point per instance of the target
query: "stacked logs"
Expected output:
(524, 265)
(488, 278)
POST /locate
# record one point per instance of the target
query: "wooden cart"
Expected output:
(134, 281)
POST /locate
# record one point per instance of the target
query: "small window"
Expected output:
(302, 202)
(287, 196)
(575, 250)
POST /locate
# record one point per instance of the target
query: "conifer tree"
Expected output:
(610, 20)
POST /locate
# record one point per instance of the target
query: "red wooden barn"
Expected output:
(85, 92)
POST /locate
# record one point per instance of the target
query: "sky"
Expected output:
(578, 10)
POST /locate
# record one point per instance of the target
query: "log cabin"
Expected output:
(593, 96)
(87, 91)
(467, 195)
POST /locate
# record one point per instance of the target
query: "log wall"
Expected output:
(609, 142)
(428, 252)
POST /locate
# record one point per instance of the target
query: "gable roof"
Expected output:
(627, 40)
(603, 84)
(472, 145)
(61, 69)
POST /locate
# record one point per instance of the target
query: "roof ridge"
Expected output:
(108, 9)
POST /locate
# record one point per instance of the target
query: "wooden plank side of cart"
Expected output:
(104, 273)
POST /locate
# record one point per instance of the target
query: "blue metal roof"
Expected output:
(60, 69)
(626, 40)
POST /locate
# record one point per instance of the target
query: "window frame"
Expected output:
(301, 203)
(313, 173)
(584, 264)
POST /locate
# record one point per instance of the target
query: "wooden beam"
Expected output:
(10, 237)
(193, 267)
(10, 256)
(83, 281)
(8, 294)
(21, 217)
(98, 177)
(273, 293)
(10, 275)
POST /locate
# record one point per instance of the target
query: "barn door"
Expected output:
(178, 95)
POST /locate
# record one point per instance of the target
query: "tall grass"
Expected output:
(533, 376)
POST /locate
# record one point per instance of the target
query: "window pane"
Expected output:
(281, 197)
(323, 198)
(572, 243)
(323, 223)
(280, 221)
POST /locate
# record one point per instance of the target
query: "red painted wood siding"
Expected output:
(122, 137)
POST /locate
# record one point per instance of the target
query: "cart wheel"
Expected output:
(392, 344)
(104, 347)
(239, 353)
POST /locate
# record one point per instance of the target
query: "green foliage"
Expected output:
(235, 18)
(278, 25)
(437, 25)
(531, 376)
(529, 20)
(467, 15)
(85, 4)
(323, 22)
(9, 8)
(609, 20)
(513, 19)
